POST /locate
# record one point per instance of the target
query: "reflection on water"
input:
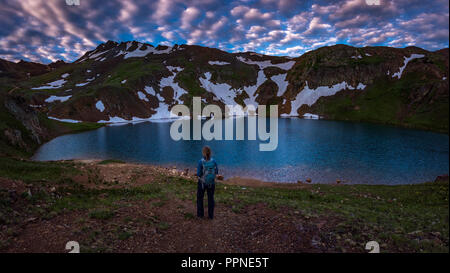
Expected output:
(321, 150)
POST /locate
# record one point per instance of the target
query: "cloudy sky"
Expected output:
(48, 30)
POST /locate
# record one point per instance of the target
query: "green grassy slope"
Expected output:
(387, 102)
(9, 122)
(419, 99)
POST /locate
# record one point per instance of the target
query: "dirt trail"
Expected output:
(12, 90)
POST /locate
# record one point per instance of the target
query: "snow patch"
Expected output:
(280, 80)
(142, 53)
(222, 91)
(65, 75)
(405, 63)
(129, 44)
(163, 51)
(225, 93)
(310, 96)
(118, 120)
(65, 120)
(310, 116)
(169, 81)
(218, 63)
(120, 53)
(142, 96)
(56, 98)
(162, 112)
(159, 97)
(87, 81)
(162, 115)
(361, 86)
(264, 64)
(81, 84)
(251, 90)
(52, 85)
(99, 105)
(149, 90)
(113, 120)
(98, 54)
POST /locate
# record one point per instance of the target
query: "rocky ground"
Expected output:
(110, 206)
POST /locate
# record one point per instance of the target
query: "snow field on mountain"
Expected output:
(405, 63)
(52, 85)
(309, 96)
(99, 105)
(282, 83)
(57, 98)
(264, 64)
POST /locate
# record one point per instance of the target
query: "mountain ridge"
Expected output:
(133, 81)
(443, 51)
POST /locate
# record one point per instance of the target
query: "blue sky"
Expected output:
(49, 30)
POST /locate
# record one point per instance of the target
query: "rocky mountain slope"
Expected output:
(132, 81)
(23, 69)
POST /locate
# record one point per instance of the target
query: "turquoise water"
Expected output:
(321, 150)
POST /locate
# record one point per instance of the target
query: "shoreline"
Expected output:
(171, 169)
(235, 180)
(321, 118)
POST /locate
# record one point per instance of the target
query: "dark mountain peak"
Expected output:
(22, 69)
(57, 64)
(110, 42)
(28, 63)
(108, 45)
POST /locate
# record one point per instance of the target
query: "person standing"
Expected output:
(206, 171)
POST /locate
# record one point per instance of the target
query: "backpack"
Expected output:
(209, 172)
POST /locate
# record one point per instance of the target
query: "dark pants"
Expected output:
(200, 194)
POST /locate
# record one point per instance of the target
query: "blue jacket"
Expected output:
(200, 167)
